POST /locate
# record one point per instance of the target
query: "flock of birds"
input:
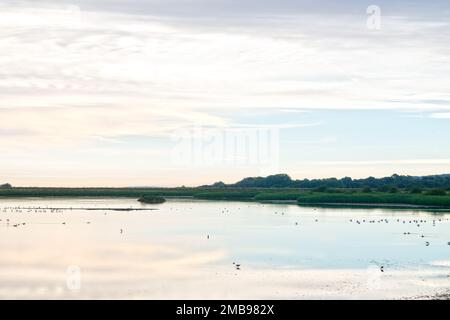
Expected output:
(416, 222)
(19, 209)
(27, 210)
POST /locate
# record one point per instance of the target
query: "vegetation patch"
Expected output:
(96, 192)
(151, 199)
(226, 195)
(281, 196)
(375, 198)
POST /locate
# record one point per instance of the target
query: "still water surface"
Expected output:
(189, 249)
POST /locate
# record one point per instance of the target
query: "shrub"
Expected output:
(278, 196)
(151, 199)
(226, 195)
(416, 190)
(393, 190)
(321, 189)
(436, 192)
(384, 188)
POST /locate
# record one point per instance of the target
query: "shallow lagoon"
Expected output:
(188, 249)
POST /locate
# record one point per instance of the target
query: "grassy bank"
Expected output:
(95, 192)
(375, 198)
(302, 196)
(226, 195)
(278, 196)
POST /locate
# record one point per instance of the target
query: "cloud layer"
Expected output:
(88, 71)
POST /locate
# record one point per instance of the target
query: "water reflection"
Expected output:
(189, 249)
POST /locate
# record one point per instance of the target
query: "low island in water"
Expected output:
(151, 199)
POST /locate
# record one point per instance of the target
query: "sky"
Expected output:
(189, 92)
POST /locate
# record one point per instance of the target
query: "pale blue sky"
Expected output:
(108, 93)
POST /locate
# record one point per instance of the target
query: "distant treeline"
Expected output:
(394, 181)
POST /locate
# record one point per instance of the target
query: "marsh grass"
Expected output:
(302, 196)
(375, 198)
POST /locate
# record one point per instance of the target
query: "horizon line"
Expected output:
(203, 185)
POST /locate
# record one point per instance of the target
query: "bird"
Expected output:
(427, 243)
(382, 268)
(207, 237)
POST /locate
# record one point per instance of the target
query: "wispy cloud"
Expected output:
(441, 115)
(384, 162)
(309, 60)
